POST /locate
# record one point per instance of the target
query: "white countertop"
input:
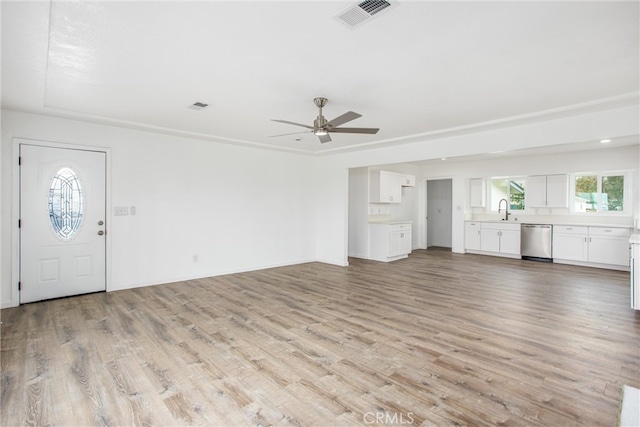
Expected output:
(574, 224)
(391, 222)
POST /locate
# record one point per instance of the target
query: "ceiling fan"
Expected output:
(321, 127)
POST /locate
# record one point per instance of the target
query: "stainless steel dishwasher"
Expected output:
(536, 242)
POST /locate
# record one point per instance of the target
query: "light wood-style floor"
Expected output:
(437, 339)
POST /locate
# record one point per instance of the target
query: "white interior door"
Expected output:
(62, 222)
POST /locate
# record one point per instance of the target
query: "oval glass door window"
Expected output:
(66, 202)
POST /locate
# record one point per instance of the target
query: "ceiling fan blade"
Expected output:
(292, 133)
(292, 123)
(346, 117)
(355, 130)
(324, 138)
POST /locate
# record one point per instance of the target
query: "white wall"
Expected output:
(358, 212)
(238, 208)
(242, 208)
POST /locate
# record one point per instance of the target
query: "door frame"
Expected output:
(422, 205)
(15, 235)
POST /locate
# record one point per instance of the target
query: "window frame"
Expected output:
(626, 199)
(522, 179)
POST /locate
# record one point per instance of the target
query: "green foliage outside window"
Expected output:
(509, 189)
(516, 195)
(599, 193)
(613, 189)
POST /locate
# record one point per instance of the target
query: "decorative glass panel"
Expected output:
(66, 204)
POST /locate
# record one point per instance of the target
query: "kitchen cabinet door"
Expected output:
(477, 194)
(510, 242)
(385, 187)
(472, 237)
(606, 250)
(536, 192)
(557, 191)
(490, 240)
(547, 191)
(572, 247)
(609, 245)
(389, 242)
(399, 243)
(408, 180)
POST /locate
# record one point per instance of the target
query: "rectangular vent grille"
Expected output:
(372, 6)
(359, 13)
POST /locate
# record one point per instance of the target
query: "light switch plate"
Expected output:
(121, 210)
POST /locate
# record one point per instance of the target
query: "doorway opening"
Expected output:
(439, 210)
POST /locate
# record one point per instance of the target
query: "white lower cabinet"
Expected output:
(571, 243)
(472, 236)
(502, 238)
(510, 241)
(389, 242)
(599, 246)
(498, 238)
(609, 245)
(606, 247)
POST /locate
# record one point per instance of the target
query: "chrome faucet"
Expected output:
(506, 209)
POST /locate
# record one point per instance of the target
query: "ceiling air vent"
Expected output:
(198, 106)
(360, 13)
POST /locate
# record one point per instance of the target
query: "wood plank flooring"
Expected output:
(436, 339)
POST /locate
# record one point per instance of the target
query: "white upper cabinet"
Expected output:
(536, 191)
(477, 193)
(547, 191)
(557, 191)
(386, 186)
(408, 180)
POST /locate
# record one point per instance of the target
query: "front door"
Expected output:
(62, 222)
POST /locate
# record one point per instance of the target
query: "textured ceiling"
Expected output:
(423, 68)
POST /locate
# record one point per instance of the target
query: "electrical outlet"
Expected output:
(132, 209)
(121, 210)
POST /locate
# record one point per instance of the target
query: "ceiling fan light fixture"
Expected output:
(320, 132)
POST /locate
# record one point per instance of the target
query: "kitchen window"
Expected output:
(599, 193)
(511, 189)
